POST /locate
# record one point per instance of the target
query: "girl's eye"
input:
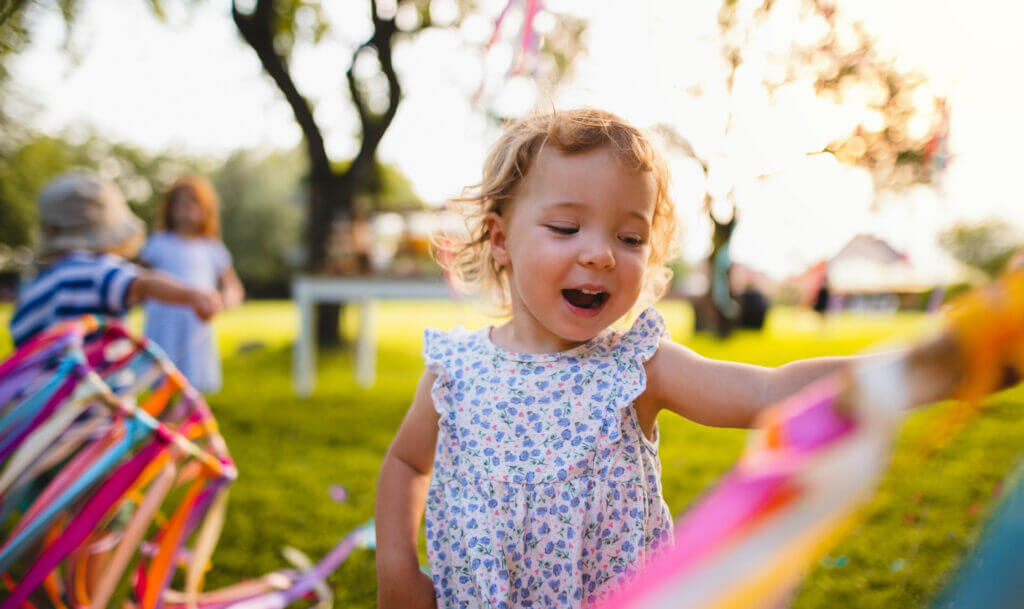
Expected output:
(562, 230)
(632, 240)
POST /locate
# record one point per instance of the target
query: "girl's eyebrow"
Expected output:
(566, 204)
(577, 206)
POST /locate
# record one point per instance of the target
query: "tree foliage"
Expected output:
(986, 246)
(31, 160)
(262, 206)
(386, 189)
(899, 129)
(262, 196)
(261, 215)
(901, 124)
(272, 28)
(23, 171)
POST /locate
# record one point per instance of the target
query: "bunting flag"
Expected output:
(816, 456)
(936, 155)
(524, 59)
(111, 465)
(527, 37)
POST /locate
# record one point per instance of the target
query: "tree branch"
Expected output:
(257, 29)
(9, 7)
(374, 126)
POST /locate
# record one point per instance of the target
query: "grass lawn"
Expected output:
(289, 451)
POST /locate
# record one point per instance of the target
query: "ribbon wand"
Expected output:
(816, 456)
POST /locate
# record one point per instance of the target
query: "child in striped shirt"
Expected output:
(87, 233)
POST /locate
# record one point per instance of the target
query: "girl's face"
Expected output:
(575, 242)
(187, 215)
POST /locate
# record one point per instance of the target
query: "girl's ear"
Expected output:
(498, 231)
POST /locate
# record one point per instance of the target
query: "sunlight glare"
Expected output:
(386, 9)
(476, 29)
(543, 22)
(498, 61)
(443, 12)
(407, 17)
(517, 97)
(919, 126)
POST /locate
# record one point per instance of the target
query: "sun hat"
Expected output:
(82, 211)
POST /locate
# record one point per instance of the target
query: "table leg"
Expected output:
(366, 345)
(304, 354)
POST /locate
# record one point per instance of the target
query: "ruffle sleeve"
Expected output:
(436, 350)
(632, 349)
(443, 352)
(642, 339)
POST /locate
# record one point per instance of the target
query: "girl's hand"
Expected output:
(232, 295)
(232, 292)
(413, 591)
(205, 304)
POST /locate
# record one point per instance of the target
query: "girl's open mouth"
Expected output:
(585, 299)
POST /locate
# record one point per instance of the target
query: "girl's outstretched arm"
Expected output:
(401, 498)
(232, 292)
(721, 393)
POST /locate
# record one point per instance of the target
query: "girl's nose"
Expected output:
(598, 255)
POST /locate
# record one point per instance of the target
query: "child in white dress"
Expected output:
(187, 246)
(533, 446)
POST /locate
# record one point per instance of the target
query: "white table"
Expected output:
(308, 290)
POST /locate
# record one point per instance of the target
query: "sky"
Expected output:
(191, 86)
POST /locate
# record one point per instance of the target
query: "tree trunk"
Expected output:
(709, 315)
(329, 332)
(330, 193)
(329, 196)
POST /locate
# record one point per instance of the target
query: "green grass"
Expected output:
(289, 451)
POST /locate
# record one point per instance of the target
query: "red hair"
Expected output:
(200, 189)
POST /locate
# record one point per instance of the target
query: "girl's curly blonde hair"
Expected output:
(468, 259)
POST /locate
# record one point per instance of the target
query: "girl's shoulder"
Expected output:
(162, 239)
(215, 246)
(212, 247)
(215, 242)
(159, 245)
(167, 236)
(169, 241)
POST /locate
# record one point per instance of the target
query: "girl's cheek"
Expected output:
(637, 256)
(637, 266)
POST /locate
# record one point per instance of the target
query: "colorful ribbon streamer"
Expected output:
(816, 456)
(100, 436)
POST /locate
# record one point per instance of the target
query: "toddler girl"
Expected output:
(187, 246)
(533, 446)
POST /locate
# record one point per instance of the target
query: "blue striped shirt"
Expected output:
(79, 283)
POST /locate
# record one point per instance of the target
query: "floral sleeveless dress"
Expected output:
(545, 492)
